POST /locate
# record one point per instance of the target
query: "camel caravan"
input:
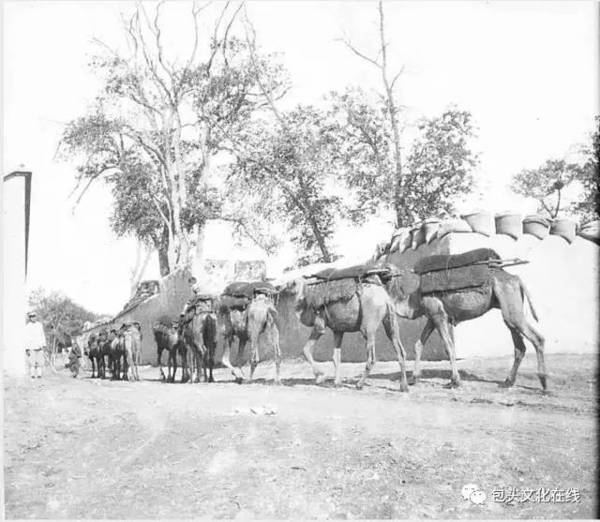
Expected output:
(442, 290)
(445, 289)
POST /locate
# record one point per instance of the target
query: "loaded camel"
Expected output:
(167, 338)
(118, 355)
(247, 311)
(451, 289)
(198, 333)
(347, 300)
(131, 335)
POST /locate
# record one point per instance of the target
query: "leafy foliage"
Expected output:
(588, 206)
(440, 164)
(546, 184)
(61, 317)
(157, 124)
(290, 169)
(438, 168)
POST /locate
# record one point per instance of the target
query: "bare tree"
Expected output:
(164, 119)
(380, 62)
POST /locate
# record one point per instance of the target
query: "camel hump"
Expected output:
(247, 290)
(351, 272)
(447, 261)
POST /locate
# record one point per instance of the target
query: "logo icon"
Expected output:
(473, 493)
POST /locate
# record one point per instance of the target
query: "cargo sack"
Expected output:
(456, 279)
(444, 262)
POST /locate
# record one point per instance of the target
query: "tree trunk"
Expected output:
(163, 253)
(393, 111)
(325, 255)
(139, 268)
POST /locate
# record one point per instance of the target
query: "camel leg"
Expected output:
(240, 359)
(191, 362)
(181, 348)
(519, 354)
(441, 323)
(390, 323)
(308, 352)
(174, 362)
(337, 356)
(161, 375)
(136, 362)
(510, 299)
(370, 345)
(197, 363)
(419, 345)
(254, 355)
(538, 341)
(211, 363)
(277, 350)
(226, 360)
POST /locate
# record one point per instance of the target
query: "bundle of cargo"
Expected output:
(536, 225)
(237, 295)
(401, 241)
(481, 222)
(591, 231)
(565, 228)
(509, 224)
(452, 226)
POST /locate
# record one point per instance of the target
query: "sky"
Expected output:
(527, 71)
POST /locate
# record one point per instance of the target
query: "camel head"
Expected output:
(294, 287)
(403, 287)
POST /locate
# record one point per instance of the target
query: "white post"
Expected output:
(15, 218)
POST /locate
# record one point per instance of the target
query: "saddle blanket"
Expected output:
(444, 262)
(353, 272)
(247, 290)
(456, 279)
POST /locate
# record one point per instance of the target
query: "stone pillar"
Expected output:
(16, 189)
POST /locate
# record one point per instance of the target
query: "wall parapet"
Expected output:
(486, 224)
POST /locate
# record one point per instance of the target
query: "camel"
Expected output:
(118, 355)
(198, 332)
(505, 291)
(363, 312)
(248, 315)
(103, 360)
(132, 342)
(233, 323)
(261, 319)
(92, 353)
(167, 338)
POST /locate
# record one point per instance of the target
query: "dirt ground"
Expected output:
(85, 448)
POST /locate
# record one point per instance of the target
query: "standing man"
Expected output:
(35, 341)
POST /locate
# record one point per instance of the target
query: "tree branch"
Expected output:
(359, 53)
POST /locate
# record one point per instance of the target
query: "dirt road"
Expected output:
(92, 449)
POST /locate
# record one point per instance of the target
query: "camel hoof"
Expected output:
(337, 384)
(210, 379)
(414, 379)
(507, 383)
(543, 382)
(360, 385)
(452, 384)
(404, 388)
(320, 378)
(239, 380)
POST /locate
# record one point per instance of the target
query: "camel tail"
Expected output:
(525, 292)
